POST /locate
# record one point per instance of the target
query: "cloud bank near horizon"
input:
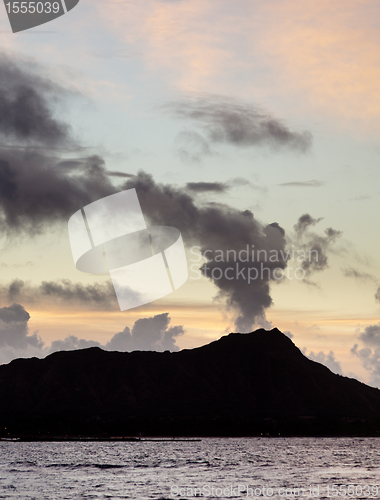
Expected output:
(147, 334)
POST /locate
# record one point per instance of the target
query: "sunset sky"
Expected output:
(275, 105)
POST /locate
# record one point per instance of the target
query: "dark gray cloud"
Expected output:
(227, 120)
(222, 187)
(327, 360)
(312, 183)
(114, 173)
(34, 193)
(369, 353)
(244, 281)
(67, 291)
(212, 227)
(147, 334)
(204, 187)
(217, 227)
(38, 185)
(26, 106)
(61, 293)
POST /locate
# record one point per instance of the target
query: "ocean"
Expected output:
(211, 468)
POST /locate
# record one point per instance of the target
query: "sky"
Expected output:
(246, 123)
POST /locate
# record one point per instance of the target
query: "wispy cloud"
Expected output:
(364, 277)
(362, 197)
(204, 187)
(312, 183)
(113, 173)
(313, 246)
(147, 334)
(61, 293)
(350, 272)
(221, 187)
(225, 120)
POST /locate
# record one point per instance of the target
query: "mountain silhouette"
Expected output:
(240, 385)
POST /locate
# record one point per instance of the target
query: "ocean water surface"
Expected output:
(211, 468)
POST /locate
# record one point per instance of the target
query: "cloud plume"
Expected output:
(217, 227)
